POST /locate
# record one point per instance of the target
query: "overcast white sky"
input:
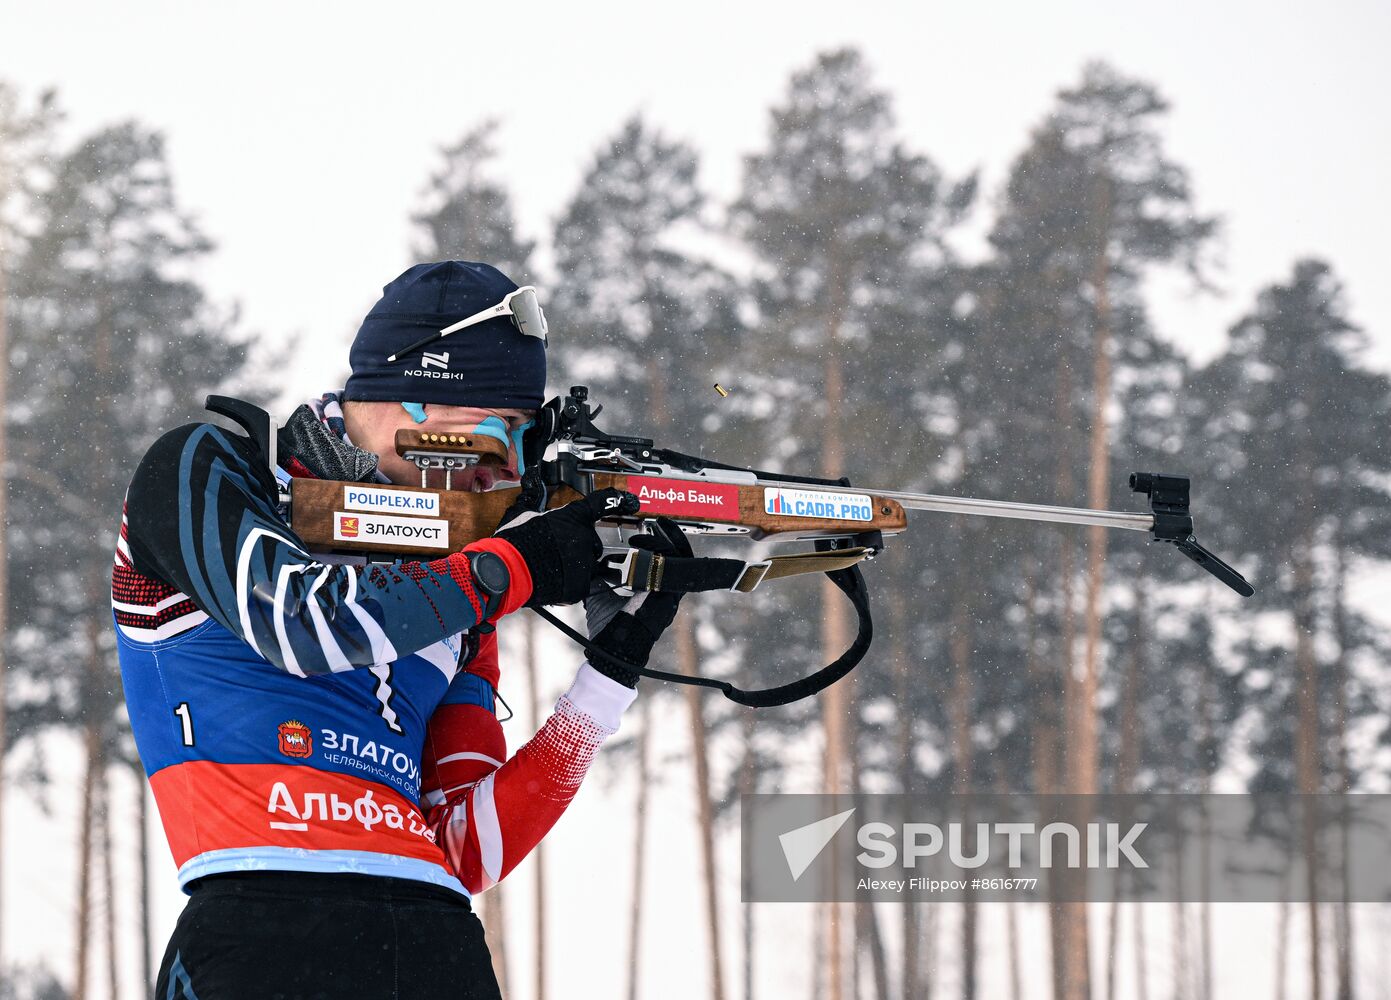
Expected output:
(301, 134)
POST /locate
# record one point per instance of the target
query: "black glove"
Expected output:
(629, 629)
(560, 547)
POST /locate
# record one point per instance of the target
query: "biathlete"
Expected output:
(320, 734)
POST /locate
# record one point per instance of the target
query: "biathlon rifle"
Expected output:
(566, 456)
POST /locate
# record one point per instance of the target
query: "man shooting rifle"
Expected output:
(320, 733)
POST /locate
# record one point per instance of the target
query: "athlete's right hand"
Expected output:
(560, 547)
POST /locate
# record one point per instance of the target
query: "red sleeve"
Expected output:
(484, 662)
(519, 587)
(503, 810)
(463, 742)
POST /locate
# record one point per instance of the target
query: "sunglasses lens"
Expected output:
(527, 314)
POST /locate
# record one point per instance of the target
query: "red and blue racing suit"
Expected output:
(300, 715)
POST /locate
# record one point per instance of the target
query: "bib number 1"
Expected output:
(187, 719)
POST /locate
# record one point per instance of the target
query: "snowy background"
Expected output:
(301, 137)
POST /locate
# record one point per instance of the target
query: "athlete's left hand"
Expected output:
(628, 629)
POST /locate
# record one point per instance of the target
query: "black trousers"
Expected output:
(293, 936)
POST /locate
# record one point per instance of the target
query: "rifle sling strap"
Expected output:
(851, 583)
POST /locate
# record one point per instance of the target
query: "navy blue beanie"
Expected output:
(491, 364)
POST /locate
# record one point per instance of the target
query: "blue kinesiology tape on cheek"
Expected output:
(416, 410)
(493, 427)
(517, 444)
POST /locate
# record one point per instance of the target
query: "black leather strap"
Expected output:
(848, 580)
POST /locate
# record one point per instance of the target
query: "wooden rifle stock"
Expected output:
(389, 519)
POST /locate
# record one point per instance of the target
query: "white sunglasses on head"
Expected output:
(522, 305)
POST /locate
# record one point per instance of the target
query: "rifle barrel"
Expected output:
(943, 504)
(1018, 511)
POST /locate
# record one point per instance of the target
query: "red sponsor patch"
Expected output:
(347, 526)
(209, 807)
(296, 739)
(684, 498)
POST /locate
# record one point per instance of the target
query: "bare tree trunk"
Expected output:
(746, 876)
(687, 658)
(1343, 913)
(867, 936)
(1126, 767)
(962, 697)
(1206, 735)
(834, 708)
(835, 629)
(1016, 977)
(929, 948)
(1205, 921)
(910, 978)
(492, 914)
(1180, 942)
(1084, 755)
(4, 562)
(639, 845)
(857, 931)
(1113, 933)
(1307, 749)
(102, 823)
(1180, 951)
(1113, 930)
(1052, 736)
(1016, 980)
(748, 784)
(534, 691)
(95, 709)
(1142, 976)
(1282, 945)
(1043, 740)
(1076, 984)
(1082, 741)
(909, 983)
(92, 746)
(92, 775)
(142, 842)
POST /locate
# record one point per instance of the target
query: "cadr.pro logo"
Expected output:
(789, 502)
